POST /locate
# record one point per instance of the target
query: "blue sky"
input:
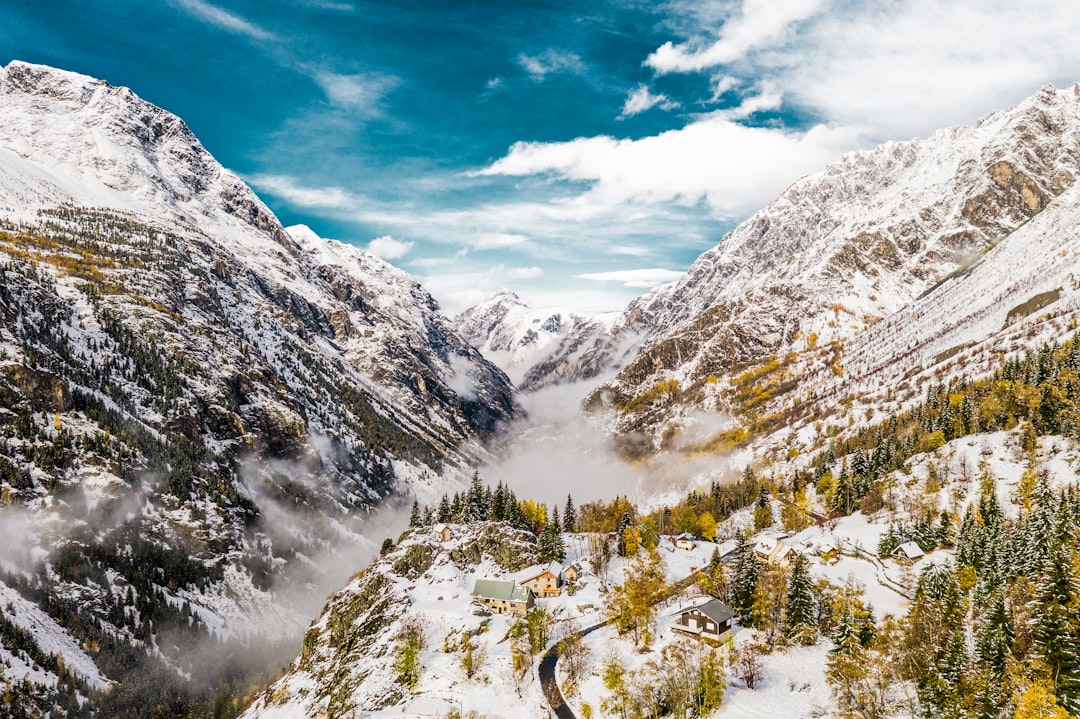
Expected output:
(575, 152)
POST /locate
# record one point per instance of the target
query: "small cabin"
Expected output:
(442, 531)
(575, 570)
(712, 619)
(503, 597)
(685, 541)
(545, 580)
(907, 554)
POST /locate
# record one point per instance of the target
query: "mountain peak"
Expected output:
(49, 81)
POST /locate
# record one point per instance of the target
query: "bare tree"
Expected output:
(600, 554)
(748, 666)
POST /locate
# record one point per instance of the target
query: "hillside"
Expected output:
(926, 564)
(889, 268)
(197, 405)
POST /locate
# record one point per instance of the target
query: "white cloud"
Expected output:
(525, 273)
(733, 168)
(388, 248)
(905, 69)
(641, 99)
(889, 70)
(288, 189)
(355, 92)
(722, 84)
(635, 278)
(767, 99)
(551, 61)
(760, 23)
(224, 19)
(498, 240)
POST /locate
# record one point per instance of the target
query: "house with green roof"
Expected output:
(503, 597)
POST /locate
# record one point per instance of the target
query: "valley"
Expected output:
(858, 412)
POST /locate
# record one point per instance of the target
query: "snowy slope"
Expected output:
(347, 664)
(855, 246)
(195, 403)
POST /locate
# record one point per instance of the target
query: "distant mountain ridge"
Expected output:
(517, 338)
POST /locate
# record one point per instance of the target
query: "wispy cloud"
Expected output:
(551, 61)
(359, 92)
(329, 5)
(646, 278)
(288, 189)
(388, 248)
(525, 273)
(641, 99)
(224, 19)
(498, 240)
(761, 22)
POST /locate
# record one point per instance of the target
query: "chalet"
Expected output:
(907, 554)
(503, 597)
(575, 570)
(442, 531)
(684, 541)
(545, 580)
(711, 619)
(775, 551)
(827, 546)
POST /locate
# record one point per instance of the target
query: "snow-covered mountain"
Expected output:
(842, 258)
(518, 338)
(195, 400)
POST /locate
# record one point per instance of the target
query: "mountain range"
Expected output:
(208, 418)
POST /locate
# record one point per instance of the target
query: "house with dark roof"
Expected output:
(711, 619)
(575, 570)
(503, 597)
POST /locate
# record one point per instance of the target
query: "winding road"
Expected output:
(546, 670)
(547, 676)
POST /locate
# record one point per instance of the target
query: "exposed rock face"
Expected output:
(839, 250)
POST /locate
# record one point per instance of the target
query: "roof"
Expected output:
(440, 527)
(495, 589)
(685, 535)
(714, 609)
(535, 571)
(581, 564)
(783, 548)
(911, 550)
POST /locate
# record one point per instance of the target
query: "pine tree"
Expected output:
(414, 516)
(569, 516)
(1056, 639)
(800, 612)
(445, 512)
(994, 638)
(746, 569)
(763, 516)
(476, 507)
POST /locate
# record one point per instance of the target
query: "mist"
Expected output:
(558, 450)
